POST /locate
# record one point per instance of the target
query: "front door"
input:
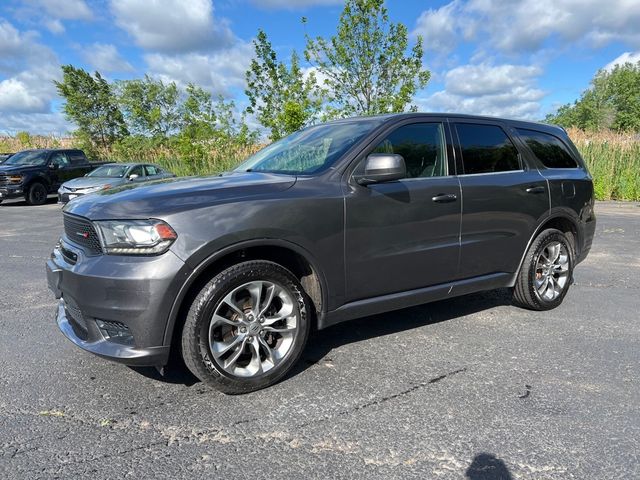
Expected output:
(404, 235)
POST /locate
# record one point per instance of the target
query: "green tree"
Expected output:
(365, 65)
(282, 99)
(91, 104)
(611, 102)
(150, 106)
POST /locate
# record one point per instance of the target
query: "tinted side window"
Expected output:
(548, 149)
(486, 149)
(422, 146)
(151, 170)
(76, 157)
(137, 170)
(59, 159)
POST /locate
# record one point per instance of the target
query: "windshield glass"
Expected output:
(111, 171)
(311, 150)
(27, 158)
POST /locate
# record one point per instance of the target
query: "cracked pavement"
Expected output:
(464, 388)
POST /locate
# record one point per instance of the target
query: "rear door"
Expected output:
(404, 235)
(504, 198)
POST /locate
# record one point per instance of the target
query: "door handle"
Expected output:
(444, 198)
(535, 190)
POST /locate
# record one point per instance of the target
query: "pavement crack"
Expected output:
(388, 398)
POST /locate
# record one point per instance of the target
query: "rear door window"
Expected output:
(549, 149)
(151, 170)
(486, 149)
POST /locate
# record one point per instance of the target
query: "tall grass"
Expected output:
(614, 162)
(613, 159)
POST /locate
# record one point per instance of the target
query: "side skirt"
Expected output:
(410, 298)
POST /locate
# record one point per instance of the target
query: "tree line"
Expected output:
(366, 68)
(612, 102)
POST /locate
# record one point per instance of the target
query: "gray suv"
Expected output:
(337, 221)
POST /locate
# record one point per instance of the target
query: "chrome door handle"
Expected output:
(535, 190)
(444, 198)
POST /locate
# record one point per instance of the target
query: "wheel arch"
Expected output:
(559, 221)
(291, 256)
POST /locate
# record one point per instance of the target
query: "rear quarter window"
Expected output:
(486, 149)
(547, 148)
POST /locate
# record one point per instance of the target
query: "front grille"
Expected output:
(80, 230)
(4, 181)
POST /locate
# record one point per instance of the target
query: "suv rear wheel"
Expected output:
(546, 273)
(246, 328)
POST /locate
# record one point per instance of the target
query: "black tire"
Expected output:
(196, 347)
(36, 194)
(526, 294)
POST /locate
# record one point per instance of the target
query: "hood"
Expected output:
(86, 182)
(169, 196)
(8, 169)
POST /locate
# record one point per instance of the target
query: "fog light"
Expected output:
(115, 331)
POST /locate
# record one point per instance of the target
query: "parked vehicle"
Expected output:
(35, 174)
(108, 176)
(4, 156)
(342, 220)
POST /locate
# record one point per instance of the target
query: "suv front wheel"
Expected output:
(546, 273)
(246, 328)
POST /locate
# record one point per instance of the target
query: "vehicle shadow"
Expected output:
(22, 203)
(362, 329)
(322, 342)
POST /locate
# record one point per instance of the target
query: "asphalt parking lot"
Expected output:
(465, 388)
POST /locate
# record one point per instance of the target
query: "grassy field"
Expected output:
(613, 159)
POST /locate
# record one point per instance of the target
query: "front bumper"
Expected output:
(65, 196)
(135, 356)
(135, 292)
(11, 191)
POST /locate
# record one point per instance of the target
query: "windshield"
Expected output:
(309, 151)
(111, 171)
(29, 157)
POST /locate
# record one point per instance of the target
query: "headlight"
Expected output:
(14, 179)
(135, 237)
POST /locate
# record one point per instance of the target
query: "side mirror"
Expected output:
(54, 166)
(133, 176)
(382, 167)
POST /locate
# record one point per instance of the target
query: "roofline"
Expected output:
(464, 116)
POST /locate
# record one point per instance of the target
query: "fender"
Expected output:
(537, 230)
(261, 242)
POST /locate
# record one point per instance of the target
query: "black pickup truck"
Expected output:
(35, 174)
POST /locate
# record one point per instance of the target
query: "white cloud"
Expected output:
(495, 90)
(626, 57)
(105, 58)
(220, 71)
(172, 26)
(66, 9)
(295, 4)
(526, 25)
(54, 25)
(27, 71)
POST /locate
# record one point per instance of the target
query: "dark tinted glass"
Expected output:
(59, 159)
(486, 149)
(549, 149)
(75, 156)
(137, 170)
(421, 145)
(151, 170)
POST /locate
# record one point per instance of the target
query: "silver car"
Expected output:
(109, 176)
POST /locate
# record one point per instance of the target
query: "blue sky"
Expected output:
(515, 58)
